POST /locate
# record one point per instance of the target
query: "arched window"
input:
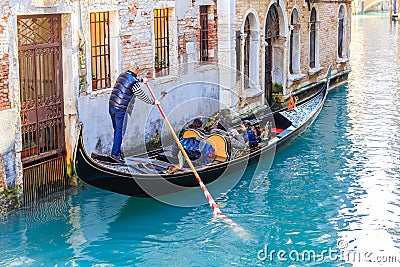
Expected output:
(250, 46)
(271, 33)
(246, 70)
(294, 43)
(341, 32)
(313, 37)
(272, 29)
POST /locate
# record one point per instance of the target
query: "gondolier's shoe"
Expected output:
(117, 158)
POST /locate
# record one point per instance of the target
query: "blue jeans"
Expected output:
(117, 117)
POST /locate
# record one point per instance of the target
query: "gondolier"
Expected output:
(147, 174)
(125, 89)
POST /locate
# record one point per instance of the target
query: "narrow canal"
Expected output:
(334, 195)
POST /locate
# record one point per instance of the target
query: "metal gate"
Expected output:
(271, 32)
(44, 178)
(41, 92)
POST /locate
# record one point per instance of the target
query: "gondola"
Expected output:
(148, 175)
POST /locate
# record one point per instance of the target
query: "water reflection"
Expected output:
(373, 110)
(60, 228)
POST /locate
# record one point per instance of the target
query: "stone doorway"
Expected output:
(271, 34)
(41, 96)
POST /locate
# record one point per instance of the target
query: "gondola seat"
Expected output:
(220, 143)
(188, 133)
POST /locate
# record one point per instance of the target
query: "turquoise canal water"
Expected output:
(332, 197)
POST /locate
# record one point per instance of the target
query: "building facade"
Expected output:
(60, 60)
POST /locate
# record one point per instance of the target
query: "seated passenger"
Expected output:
(249, 134)
(234, 136)
(197, 150)
(257, 129)
(197, 124)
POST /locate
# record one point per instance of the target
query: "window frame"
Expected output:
(313, 39)
(161, 41)
(341, 32)
(100, 52)
(204, 33)
(294, 43)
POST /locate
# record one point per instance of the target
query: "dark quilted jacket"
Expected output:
(127, 87)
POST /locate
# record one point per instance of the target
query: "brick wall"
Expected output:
(136, 34)
(328, 30)
(212, 34)
(327, 15)
(4, 71)
(189, 31)
(4, 57)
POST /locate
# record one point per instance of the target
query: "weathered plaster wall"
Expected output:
(184, 100)
(8, 123)
(131, 40)
(8, 115)
(14, 9)
(226, 51)
(134, 42)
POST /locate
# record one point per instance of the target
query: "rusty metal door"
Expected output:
(40, 74)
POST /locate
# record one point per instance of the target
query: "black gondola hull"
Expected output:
(149, 185)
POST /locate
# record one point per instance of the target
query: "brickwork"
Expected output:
(136, 34)
(4, 72)
(212, 34)
(4, 57)
(188, 32)
(327, 17)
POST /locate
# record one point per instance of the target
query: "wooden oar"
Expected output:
(217, 212)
